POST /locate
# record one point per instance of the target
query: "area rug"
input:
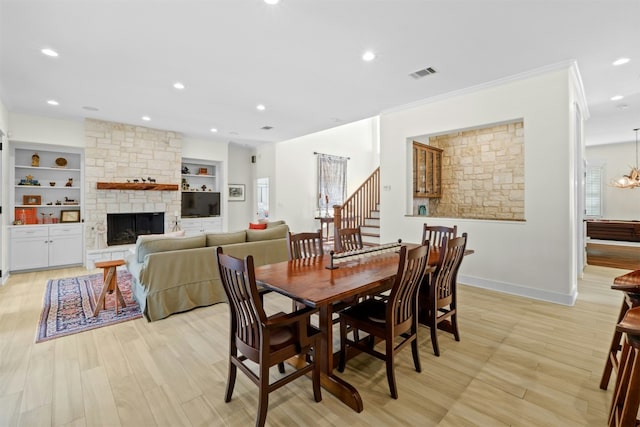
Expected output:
(68, 306)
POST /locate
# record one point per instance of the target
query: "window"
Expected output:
(332, 181)
(593, 190)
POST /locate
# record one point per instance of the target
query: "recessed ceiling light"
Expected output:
(146, 118)
(368, 56)
(214, 130)
(178, 85)
(90, 108)
(272, 1)
(617, 98)
(261, 107)
(620, 61)
(622, 106)
(49, 52)
(53, 102)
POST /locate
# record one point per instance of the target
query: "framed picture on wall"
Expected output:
(236, 193)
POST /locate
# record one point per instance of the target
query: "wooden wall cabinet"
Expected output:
(427, 171)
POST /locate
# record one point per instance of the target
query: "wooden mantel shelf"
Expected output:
(137, 186)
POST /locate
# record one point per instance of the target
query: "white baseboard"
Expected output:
(522, 291)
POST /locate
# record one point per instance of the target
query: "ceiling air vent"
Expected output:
(423, 73)
(266, 127)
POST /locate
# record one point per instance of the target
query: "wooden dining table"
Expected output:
(310, 282)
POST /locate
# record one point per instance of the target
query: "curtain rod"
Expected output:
(332, 155)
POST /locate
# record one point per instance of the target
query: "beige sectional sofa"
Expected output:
(175, 274)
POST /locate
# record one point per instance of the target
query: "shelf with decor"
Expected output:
(201, 199)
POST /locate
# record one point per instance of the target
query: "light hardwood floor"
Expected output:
(520, 362)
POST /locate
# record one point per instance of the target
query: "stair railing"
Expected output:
(353, 212)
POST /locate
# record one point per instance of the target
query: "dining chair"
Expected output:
(348, 239)
(435, 233)
(266, 341)
(304, 245)
(437, 299)
(388, 319)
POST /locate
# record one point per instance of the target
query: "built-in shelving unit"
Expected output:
(46, 206)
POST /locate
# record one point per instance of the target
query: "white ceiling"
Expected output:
(302, 59)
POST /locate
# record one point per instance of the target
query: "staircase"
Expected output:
(361, 209)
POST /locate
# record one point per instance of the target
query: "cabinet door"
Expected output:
(191, 226)
(212, 225)
(65, 245)
(65, 250)
(29, 253)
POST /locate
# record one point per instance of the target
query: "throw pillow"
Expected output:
(253, 226)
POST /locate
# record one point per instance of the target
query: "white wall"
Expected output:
(534, 257)
(293, 185)
(45, 130)
(241, 213)
(617, 160)
(4, 198)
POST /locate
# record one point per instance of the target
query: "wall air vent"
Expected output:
(423, 73)
(266, 127)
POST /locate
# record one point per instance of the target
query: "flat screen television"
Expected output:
(199, 204)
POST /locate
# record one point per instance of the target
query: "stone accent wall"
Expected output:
(116, 152)
(482, 173)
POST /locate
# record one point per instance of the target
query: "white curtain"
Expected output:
(332, 181)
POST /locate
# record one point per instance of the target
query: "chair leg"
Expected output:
(391, 376)
(231, 380)
(454, 325)
(343, 346)
(315, 374)
(433, 325)
(416, 354)
(263, 395)
(281, 367)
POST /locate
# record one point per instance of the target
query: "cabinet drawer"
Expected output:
(20, 233)
(65, 230)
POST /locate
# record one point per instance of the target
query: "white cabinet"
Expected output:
(195, 226)
(44, 246)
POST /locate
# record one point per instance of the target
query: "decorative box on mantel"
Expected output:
(136, 186)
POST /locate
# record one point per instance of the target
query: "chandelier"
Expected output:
(633, 179)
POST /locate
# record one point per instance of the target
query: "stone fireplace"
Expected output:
(118, 152)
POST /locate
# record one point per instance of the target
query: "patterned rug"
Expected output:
(68, 306)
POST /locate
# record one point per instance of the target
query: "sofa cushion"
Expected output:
(150, 245)
(274, 223)
(144, 237)
(253, 226)
(277, 232)
(220, 239)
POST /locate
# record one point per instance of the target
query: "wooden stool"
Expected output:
(626, 396)
(110, 284)
(630, 285)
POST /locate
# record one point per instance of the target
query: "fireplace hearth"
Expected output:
(124, 228)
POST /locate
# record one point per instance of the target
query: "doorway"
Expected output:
(262, 198)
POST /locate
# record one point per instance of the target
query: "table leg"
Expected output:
(344, 391)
